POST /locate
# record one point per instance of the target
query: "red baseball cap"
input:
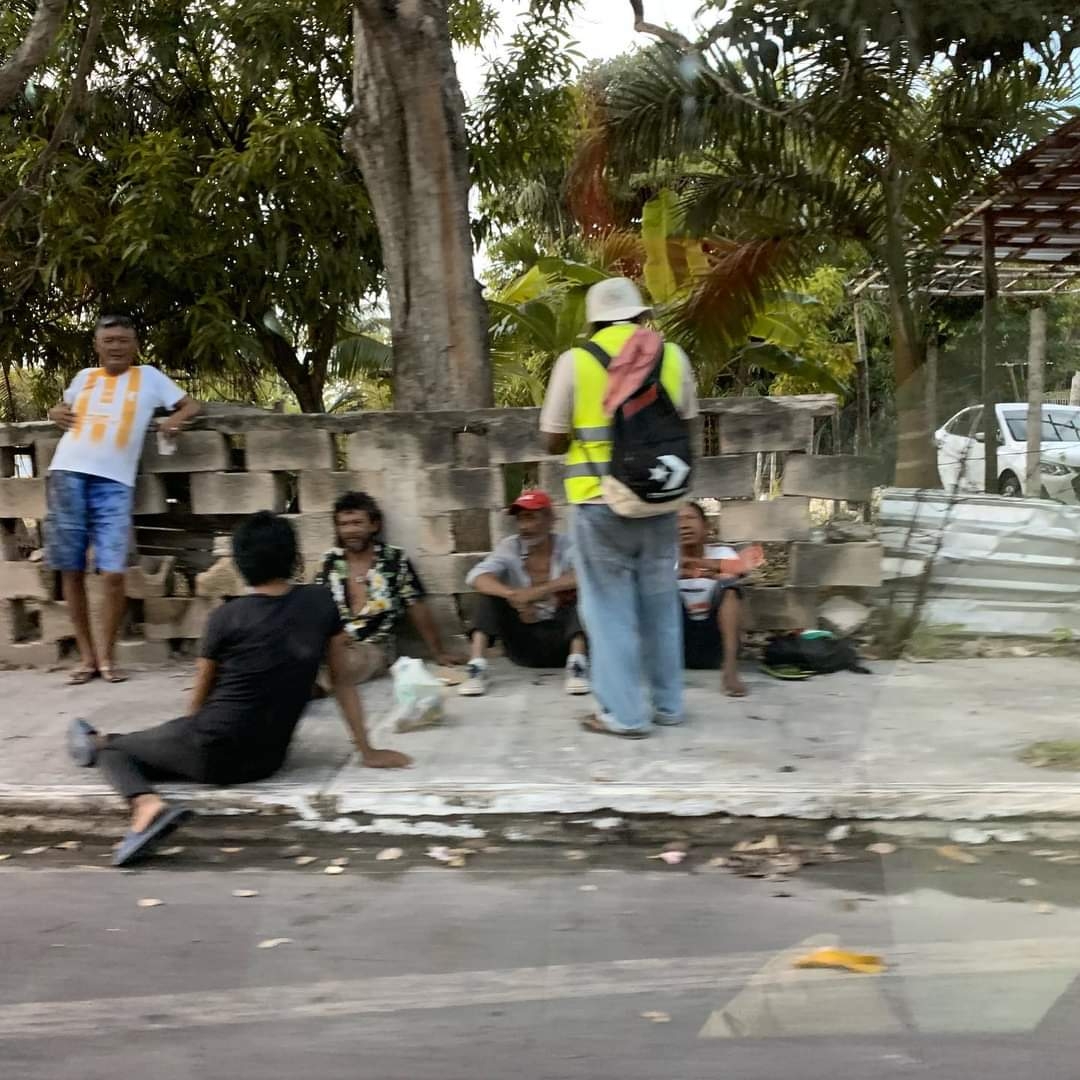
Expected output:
(533, 499)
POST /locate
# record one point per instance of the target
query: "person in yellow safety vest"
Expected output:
(626, 567)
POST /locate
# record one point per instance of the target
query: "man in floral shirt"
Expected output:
(374, 585)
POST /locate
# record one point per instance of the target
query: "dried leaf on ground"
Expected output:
(171, 851)
(274, 942)
(230, 850)
(656, 1017)
(575, 855)
(1045, 909)
(454, 857)
(1069, 858)
(1046, 853)
(332, 870)
(957, 854)
(68, 845)
(4, 857)
(966, 834)
(838, 833)
(150, 901)
(587, 888)
(244, 894)
(672, 858)
(882, 848)
(720, 860)
(767, 845)
(340, 861)
(860, 963)
(35, 850)
(389, 854)
(1028, 882)
(305, 860)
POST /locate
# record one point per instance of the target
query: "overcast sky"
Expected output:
(605, 28)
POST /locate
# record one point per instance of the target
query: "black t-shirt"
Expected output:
(268, 650)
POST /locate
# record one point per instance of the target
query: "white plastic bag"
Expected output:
(417, 695)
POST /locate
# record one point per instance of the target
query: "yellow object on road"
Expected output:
(861, 963)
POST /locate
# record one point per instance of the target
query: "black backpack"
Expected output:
(651, 452)
(818, 655)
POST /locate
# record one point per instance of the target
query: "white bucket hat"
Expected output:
(614, 300)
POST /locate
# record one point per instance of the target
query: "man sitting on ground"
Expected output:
(374, 585)
(528, 600)
(712, 601)
(258, 661)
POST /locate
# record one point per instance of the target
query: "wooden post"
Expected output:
(1036, 369)
(862, 384)
(1074, 390)
(989, 396)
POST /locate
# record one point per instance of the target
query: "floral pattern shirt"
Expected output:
(393, 586)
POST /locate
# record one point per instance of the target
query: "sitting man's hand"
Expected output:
(171, 425)
(690, 568)
(62, 416)
(385, 759)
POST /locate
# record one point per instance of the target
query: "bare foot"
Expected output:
(733, 685)
(144, 808)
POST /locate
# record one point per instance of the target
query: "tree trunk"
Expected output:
(304, 383)
(39, 39)
(1036, 369)
(407, 135)
(916, 462)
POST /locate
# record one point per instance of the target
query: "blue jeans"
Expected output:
(87, 512)
(628, 598)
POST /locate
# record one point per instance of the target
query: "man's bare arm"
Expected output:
(556, 443)
(424, 621)
(178, 420)
(352, 711)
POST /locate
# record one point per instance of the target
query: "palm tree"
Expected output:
(823, 135)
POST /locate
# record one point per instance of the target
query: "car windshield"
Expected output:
(1060, 426)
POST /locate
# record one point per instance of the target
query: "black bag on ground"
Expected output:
(651, 451)
(818, 654)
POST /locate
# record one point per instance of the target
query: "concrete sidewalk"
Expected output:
(936, 740)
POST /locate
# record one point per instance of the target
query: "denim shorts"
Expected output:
(88, 512)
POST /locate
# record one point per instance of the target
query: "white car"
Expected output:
(961, 452)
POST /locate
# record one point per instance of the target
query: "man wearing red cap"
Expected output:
(528, 600)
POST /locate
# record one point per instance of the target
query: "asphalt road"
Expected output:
(534, 963)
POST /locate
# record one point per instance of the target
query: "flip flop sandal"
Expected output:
(80, 743)
(81, 676)
(114, 675)
(598, 727)
(138, 845)
(790, 674)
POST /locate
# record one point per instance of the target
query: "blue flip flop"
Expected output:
(80, 743)
(138, 845)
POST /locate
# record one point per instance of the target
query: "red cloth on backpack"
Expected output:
(629, 370)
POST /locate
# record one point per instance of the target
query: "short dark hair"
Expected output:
(264, 548)
(359, 502)
(109, 320)
(701, 511)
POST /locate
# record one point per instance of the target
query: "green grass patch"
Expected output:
(1056, 754)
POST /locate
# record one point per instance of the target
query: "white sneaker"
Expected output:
(476, 685)
(577, 677)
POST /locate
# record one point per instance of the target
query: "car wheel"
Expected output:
(1009, 486)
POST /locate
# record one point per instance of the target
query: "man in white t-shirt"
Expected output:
(105, 415)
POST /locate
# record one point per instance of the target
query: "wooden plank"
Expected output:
(787, 518)
(837, 476)
(726, 477)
